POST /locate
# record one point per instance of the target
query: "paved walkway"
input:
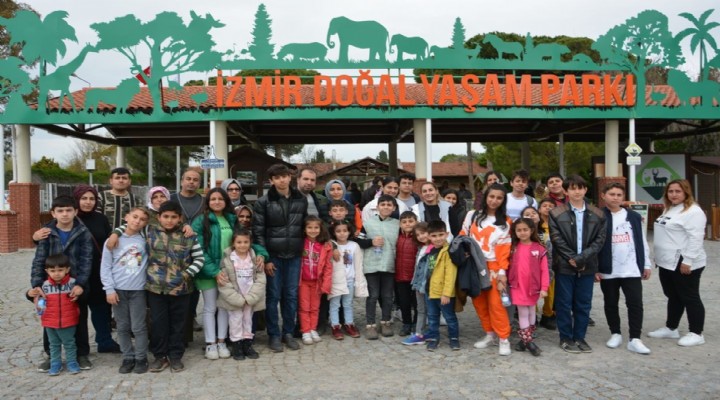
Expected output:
(357, 368)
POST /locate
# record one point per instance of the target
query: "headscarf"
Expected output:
(327, 188)
(224, 185)
(154, 190)
(79, 191)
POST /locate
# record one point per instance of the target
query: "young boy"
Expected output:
(173, 261)
(405, 269)
(339, 210)
(517, 200)
(624, 262)
(61, 313)
(378, 238)
(70, 237)
(123, 273)
(577, 231)
(554, 183)
(441, 289)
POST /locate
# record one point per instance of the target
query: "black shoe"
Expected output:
(591, 322)
(569, 346)
(141, 366)
(84, 363)
(248, 350)
(44, 366)
(406, 330)
(127, 366)
(290, 342)
(275, 344)
(112, 348)
(236, 351)
(520, 346)
(548, 323)
(583, 346)
(176, 365)
(454, 344)
(159, 364)
(533, 348)
(431, 345)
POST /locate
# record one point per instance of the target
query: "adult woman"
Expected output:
(490, 228)
(679, 252)
(234, 191)
(155, 197)
(491, 178)
(433, 208)
(390, 187)
(335, 190)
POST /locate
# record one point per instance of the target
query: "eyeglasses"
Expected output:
(233, 190)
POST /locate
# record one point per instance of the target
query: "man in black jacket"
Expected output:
(577, 231)
(278, 226)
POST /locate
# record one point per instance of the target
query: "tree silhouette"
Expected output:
(458, 37)
(700, 36)
(41, 39)
(261, 49)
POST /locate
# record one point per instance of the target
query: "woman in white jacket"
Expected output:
(679, 253)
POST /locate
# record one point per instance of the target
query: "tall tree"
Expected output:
(458, 37)
(383, 156)
(700, 37)
(261, 48)
(86, 149)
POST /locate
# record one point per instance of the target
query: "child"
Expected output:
(315, 276)
(347, 280)
(517, 200)
(61, 313)
(173, 261)
(378, 237)
(336, 190)
(547, 320)
(440, 294)
(418, 283)
(405, 269)
(338, 210)
(123, 275)
(528, 279)
(458, 208)
(243, 295)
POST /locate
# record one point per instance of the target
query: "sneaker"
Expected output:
(533, 349)
(569, 346)
(84, 363)
(386, 328)
(454, 344)
(176, 365)
(307, 338)
(55, 368)
(248, 350)
(504, 349)
(290, 342)
(315, 336)
(431, 345)
(337, 333)
(637, 346)
(73, 367)
(413, 340)
(583, 346)
(159, 364)
(222, 350)
(664, 333)
(237, 351)
(351, 330)
(691, 339)
(548, 323)
(275, 344)
(615, 341)
(371, 332)
(488, 340)
(127, 366)
(211, 352)
(44, 366)
(406, 330)
(141, 366)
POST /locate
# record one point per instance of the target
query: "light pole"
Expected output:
(90, 167)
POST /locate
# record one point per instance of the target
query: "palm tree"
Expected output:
(700, 37)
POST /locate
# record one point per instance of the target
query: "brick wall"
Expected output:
(25, 201)
(8, 232)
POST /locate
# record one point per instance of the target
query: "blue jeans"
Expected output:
(282, 288)
(573, 300)
(60, 338)
(448, 311)
(347, 304)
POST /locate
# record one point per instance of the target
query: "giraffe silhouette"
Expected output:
(60, 80)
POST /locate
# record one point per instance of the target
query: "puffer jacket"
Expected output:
(230, 297)
(405, 254)
(278, 223)
(78, 248)
(563, 233)
(61, 311)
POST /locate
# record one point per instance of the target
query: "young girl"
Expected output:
(546, 205)
(419, 282)
(547, 320)
(405, 259)
(315, 276)
(243, 295)
(528, 279)
(458, 208)
(348, 280)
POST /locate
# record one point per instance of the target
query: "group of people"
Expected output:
(295, 260)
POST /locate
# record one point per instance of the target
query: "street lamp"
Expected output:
(90, 167)
(75, 76)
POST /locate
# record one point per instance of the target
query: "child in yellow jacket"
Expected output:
(441, 289)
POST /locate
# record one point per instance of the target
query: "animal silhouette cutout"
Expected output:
(416, 46)
(547, 52)
(303, 51)
(659, 180)
(503, 47)
(120, 97)
(60, 80)
(687, 89)
(361, 34)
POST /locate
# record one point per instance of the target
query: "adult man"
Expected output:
(406, 194)
(317, 203)
(278, 226)
(117, 201)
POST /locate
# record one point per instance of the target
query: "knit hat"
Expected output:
(79, 191)
(154, 190)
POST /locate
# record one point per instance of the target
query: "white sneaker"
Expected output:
(637, 346)
(615, 341)
(691, 339)
(504, 347)
(307, 338)
(315, 336)
(211, 352)
(222, 350)
(664, 333)
(488, 340)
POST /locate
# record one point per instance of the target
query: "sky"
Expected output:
(294, 21)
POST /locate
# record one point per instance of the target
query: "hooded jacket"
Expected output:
(278, 223)
(230, 297)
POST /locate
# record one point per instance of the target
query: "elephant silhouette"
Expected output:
(416, 46)
(303, 51)
(361, 34)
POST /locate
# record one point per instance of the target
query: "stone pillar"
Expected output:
(22, 153)
(218, 141)
(420, 135)
(25, 201)
(120, 157)
(8, 232)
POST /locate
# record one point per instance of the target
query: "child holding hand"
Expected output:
(315, 276)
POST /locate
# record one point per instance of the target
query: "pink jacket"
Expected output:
(528, 272)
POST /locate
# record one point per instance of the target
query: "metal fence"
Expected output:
(52, 190)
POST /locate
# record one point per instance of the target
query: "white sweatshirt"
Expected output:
(680, 233)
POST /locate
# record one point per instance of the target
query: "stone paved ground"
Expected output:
(357, 368)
